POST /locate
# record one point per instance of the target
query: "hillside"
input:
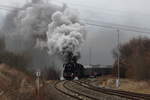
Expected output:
(14, 83)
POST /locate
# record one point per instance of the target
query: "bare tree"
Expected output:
(134, 59)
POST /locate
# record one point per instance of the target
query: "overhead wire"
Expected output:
(101, 24)
(102, 9)
(116, 26)
(112, 25)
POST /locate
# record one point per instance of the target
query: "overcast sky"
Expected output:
(128, 13)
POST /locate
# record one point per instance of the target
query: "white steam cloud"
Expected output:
(39, 28)
(65, 33)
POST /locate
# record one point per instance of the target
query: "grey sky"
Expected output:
(103, 40)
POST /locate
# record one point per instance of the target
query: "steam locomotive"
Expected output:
(72, 70)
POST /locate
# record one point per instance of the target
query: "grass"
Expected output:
(21, 86)
(126, 84)
(16, 82)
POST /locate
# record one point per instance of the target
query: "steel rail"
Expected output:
(120, 93)
(67, 94)
(79, 93)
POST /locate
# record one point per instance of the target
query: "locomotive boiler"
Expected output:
(73, 69)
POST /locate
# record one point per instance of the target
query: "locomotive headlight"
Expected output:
(71, 74)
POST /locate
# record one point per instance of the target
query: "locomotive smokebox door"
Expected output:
(68, 71)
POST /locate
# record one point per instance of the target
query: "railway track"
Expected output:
(76, 91)
(124, 94)
(82, 90)
(63, 87)
(73, 88)
(94, 95)
(59, 85)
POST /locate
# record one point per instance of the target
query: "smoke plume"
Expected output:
(45, 31)
(65, 34)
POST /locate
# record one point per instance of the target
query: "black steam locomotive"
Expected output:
(72, 70)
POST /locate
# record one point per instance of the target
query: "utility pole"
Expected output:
(90, 51)
(90, 60)
(118, 60)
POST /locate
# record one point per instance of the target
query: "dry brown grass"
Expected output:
(15, 83)
(126, 84)
(135, 86)
(21, 86)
